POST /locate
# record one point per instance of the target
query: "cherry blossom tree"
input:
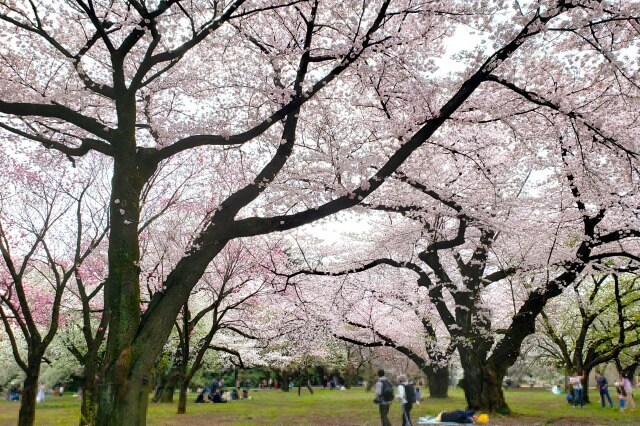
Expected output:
(48, 228)
(470, 248)
(143, 82)
(87, 327)
(227, 300)
(374, 314)
(601, 311)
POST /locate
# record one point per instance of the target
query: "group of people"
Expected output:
(216, 393)
(12, 394)
(406, 393)
(334, 383)
(624, 390)
(57, 390)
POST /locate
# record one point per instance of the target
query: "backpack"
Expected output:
(409, 393)
(387, 391)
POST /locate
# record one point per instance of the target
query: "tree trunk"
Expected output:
(166, 386)
(371, 379)
(123, 394)
(349, 376)
(585, 386)
(438, 381)
(182, 399)
(482, 387)
(184, 378)
(124, 403)
(88, 403)
(172, 381)
(568, 372)
(27, 414)
(167, 394)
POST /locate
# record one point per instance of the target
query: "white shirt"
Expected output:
(576, 382)
(400, 395)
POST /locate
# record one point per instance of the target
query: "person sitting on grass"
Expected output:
(234, 394)
(200, 399)
(217, 398)
(14, 394)
(245, 393)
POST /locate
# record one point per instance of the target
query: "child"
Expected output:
(418, 396)
(622, 396)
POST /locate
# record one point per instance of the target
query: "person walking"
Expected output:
(628, 388)
(576, 382)
(407, 396)
(603, 388)
(384, 397)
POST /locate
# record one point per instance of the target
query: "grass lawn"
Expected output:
(326, 407)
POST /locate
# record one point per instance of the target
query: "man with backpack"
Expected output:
(384, 396)
(407, 396)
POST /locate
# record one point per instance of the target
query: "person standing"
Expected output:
(40, 396)
(576, 382)
(407, 396)
(628, 388)
(603, 388)
(384, 396)
(622, 396)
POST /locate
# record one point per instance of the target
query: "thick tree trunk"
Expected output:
(182, 399)
(482, 387)
(438, 381)
(88, 403)
(27, 414)
(169, 384)
(123, 393)
(124, 403)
